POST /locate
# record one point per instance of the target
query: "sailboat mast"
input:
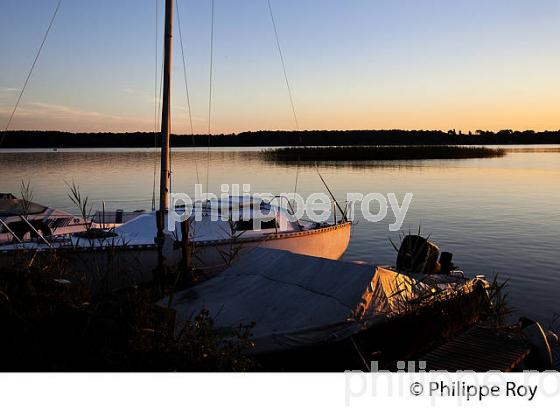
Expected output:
(166, 109)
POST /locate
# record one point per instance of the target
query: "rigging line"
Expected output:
(31, 70)
(158, 111)
(287, 85)
(297, 178)
(210, 94)
(283, 66)
(170, 164)
(184, 69)
(155, 108)
(329, 190)
(186, 85)
(294, 205)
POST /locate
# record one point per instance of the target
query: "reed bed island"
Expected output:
(378, 153)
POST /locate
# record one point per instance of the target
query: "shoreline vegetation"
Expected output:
(60, 139)
(55, 320)
(376, 153)
(61, 316)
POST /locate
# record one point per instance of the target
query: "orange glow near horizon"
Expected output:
(434, 65)
(465, 118)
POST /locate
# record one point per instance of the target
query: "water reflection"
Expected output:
(494, 214)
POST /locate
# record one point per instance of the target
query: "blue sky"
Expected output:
(352, 64)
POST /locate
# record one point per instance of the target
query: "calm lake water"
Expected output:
(497, 215)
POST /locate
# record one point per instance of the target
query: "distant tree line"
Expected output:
(59, 139)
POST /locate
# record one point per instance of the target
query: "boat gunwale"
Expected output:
(123, 247)
(272, 236)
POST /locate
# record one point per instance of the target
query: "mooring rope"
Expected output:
(31, 70)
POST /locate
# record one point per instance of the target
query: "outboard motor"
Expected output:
(446, 263)
(119, 216)
(418, 255)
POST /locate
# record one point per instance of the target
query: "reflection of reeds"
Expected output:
(379, 153)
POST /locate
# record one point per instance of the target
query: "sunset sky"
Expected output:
(352, 64)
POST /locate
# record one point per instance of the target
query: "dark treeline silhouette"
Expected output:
(59, 139)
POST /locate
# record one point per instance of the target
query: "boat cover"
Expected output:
(293, 300)
(143, 229)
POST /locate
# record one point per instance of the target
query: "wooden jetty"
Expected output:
(479, 349)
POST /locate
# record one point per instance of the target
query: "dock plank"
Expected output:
(479, 349)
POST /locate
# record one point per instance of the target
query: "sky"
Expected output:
(351, 64)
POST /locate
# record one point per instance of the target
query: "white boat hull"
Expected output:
(113, 267)
(329, 242)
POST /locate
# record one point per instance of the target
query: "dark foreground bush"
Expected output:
(51, 324)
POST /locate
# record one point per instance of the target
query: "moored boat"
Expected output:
(299, 307)
(22, 221)
(131, 252)
(128, 253)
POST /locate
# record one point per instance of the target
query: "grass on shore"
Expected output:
(52, 321)
(379, 153)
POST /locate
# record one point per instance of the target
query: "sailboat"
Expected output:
(144, 243)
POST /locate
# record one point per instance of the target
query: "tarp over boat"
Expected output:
(293, 300)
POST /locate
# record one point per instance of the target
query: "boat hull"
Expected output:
(112, 267)
(329, 242)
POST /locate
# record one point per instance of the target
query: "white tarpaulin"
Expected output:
(293, 300)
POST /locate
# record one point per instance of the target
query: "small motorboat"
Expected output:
(23, 221)
(298, 307)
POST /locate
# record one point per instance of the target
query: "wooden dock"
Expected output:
(479, 349)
